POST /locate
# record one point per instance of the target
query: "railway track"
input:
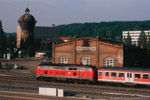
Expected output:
(77, 93)
(6, 95)
(15, 74)
(23, 84)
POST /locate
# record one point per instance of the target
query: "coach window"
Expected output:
(109, 62)
(113, 74)
(121, 74)
(145, 76)
(86, 61)
(138, 76)
(63, 60)
(100, 73)
(107, 74)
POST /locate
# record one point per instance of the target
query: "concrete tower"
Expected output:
(27, 23)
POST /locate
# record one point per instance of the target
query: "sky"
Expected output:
(58, 12)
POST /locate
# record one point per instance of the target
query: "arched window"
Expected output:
(63, 60)
(86, 61)
(111, 62)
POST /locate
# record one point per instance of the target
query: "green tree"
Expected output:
(48, 53)
(128, 40)
(23, 53)
(113, 36)
(30, 52)
(104, 34)
(11, 42)
(2, 39)
(48, 49)
(142, 41)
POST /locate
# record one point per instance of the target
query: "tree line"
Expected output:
(94, 29)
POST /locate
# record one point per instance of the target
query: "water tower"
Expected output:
(27, 23)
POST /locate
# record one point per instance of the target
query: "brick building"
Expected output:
(88, 51)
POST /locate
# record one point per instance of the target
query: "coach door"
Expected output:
(129, 77)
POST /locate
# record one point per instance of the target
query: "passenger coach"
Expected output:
(124, 75)
(67, 72)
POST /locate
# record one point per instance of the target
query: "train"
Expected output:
(90, 74)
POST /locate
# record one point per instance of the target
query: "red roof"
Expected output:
(64, 38)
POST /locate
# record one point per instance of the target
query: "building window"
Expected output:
(86, 61)
(134, 43)
(63, 60)
(109, 62)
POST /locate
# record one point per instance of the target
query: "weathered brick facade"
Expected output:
(87, 47)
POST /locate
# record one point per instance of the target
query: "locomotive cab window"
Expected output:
(113, 74)
(87, 69)
(107, 74)
(138, 76)
(145, 76)
(121, 74)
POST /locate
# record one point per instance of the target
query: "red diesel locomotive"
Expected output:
(69, 73)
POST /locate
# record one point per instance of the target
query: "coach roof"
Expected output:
(126, 69)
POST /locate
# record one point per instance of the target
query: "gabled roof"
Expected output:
(109, 43)
(64, 38)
